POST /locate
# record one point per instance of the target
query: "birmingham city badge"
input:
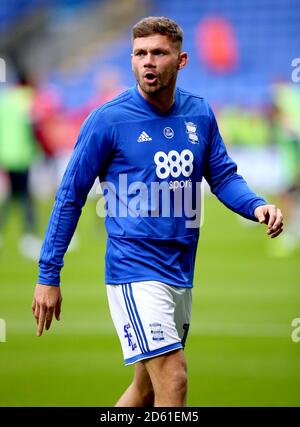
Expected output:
(191, 130)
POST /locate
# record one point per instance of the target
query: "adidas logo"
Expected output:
(144, 137)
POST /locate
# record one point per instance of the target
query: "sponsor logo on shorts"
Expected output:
(156, 331)
(128, 335)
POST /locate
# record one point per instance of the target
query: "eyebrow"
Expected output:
(154, 50)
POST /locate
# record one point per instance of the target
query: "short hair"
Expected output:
(158, 25)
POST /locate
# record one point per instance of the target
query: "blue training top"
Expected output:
(150, 166)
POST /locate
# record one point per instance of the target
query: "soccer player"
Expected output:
(150, 147)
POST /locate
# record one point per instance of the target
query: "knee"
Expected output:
(178, 382)
(169, 378)
(173, 379)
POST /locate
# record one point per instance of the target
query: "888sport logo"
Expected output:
(174, 163)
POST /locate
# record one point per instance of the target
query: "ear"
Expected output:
(131, 57)
(183, 60)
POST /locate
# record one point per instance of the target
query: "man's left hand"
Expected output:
(272, 216)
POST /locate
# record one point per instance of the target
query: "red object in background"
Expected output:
(55, 130)
(217, 45)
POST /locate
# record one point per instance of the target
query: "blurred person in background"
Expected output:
(18, 149)
(107, 86)
(285, 121)
(54, 130)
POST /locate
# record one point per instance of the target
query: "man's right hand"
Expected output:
(46, 301)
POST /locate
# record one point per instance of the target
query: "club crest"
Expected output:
(191, 130)
(156, 331)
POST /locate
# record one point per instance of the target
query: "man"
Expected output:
(18, 150)
(150, 147)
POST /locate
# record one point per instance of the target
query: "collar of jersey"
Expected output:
(142, 101)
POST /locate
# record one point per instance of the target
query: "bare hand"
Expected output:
(46, 301)
(272, 216)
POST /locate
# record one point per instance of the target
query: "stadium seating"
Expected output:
(265, 32)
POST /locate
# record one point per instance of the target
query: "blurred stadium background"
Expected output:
(72, 55)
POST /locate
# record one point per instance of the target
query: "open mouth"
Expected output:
(150, 77)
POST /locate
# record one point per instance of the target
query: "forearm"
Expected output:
(234, 193)
(61, 227)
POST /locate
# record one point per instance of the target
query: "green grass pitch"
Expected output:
(239, 349)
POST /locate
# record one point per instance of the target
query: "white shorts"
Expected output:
(151, 318)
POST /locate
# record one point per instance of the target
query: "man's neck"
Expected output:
(162, 100)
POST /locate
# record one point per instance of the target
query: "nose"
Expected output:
(149, 61)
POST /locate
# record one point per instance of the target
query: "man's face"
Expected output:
(155, 62)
